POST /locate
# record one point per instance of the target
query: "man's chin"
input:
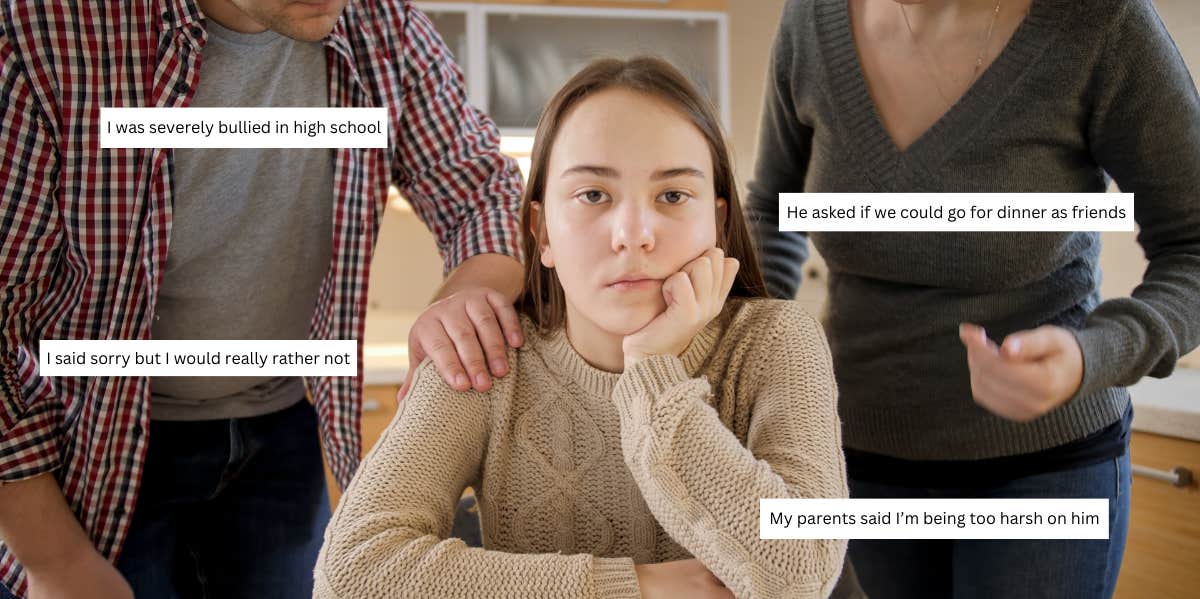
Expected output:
(308, 30)
(308, 23)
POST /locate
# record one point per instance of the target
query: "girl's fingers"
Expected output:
(729, 269)
(717, 262)
(702, 279)
(710, 292)
(677, 291)
(709, 278)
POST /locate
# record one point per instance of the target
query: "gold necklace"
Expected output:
(978, 57)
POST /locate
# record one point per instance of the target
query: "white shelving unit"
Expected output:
(514, 57)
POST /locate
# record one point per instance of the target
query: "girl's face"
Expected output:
(629, 201)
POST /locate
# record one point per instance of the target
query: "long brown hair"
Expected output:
(543, 299)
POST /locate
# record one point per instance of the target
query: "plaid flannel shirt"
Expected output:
(84, 231)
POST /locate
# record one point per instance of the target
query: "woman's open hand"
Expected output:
(1029, 374)
(694, 296)
(682, 578)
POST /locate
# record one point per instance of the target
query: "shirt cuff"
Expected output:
(30, 447)
(1105, 350)
(491, 232)
(615, 578)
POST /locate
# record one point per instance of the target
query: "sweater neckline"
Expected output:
(562, 358)
(889, 167)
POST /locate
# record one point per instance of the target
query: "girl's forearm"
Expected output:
(703, 485)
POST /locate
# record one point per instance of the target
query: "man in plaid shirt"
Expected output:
(222, 493)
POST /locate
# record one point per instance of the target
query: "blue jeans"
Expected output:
(229, 508)
(1025, 569)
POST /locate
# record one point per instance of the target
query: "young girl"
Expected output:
(626, 453)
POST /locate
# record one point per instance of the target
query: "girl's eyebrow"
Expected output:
(607, 171)
(682, 171)
(599, 171)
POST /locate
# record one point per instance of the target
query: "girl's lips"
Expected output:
(634, 285)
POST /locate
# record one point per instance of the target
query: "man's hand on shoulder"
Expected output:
(467, 334)
(471, 323)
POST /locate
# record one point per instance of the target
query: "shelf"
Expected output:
(515, 56)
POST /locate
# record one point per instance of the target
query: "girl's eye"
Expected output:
(592, 196)
(675, 197)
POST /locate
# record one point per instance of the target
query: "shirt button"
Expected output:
(197, 31)
(181, 87)
(166, 16)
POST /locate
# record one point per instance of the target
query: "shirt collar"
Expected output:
(338, 38)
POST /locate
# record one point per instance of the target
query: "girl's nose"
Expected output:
(633, 227)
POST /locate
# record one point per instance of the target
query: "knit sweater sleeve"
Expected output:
(388, 537)
(704, 486)
(1145, 132)
(784, 148)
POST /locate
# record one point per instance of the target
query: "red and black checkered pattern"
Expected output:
(84, 231)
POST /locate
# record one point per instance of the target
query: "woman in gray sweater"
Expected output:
(985, 364)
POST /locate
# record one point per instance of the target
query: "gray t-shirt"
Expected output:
(251, 235)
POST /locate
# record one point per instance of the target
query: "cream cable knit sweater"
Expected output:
(582, 473)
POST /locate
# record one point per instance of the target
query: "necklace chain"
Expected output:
(978, 57)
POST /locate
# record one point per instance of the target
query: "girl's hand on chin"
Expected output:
(694, 296)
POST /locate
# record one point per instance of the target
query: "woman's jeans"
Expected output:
(995, 569)
(229, 508)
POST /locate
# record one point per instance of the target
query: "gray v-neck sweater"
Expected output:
(1082, 88)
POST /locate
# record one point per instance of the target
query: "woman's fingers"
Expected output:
(974, 336)
(1021, 381)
